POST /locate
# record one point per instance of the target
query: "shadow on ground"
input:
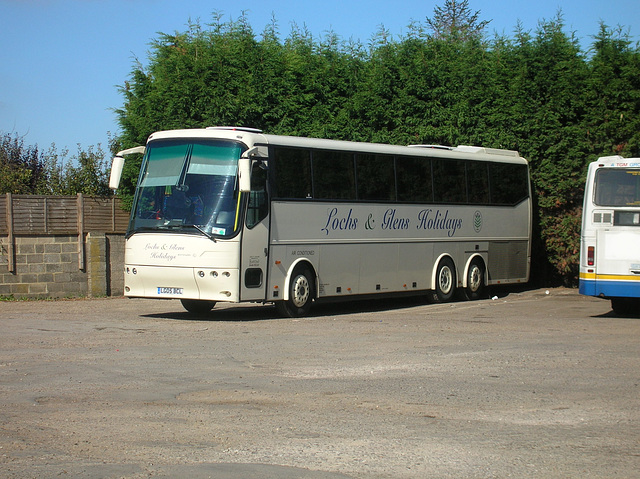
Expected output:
(258, 312)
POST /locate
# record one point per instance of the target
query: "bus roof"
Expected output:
(616, 161)
(252, 137)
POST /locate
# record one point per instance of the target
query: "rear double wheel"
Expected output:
(475, 280)
(301, 294)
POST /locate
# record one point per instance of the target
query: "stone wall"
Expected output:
(57, 266)
(61, 246)
(115, 272)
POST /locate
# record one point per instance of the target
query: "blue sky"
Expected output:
(62, 60)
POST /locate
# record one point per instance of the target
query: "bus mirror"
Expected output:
(244, 174)
(244, 169)
(118, 163)
(116, 172)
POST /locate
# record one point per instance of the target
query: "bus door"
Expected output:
(255, 238)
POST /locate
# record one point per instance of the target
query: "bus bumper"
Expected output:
(625, 287)
(212, 284)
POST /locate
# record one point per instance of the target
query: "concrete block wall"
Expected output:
(115, 264)
(52, 266)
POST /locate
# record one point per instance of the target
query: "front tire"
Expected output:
(301, 294)
(445, 281)
(197, 306)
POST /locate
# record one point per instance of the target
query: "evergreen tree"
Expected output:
(613, 123)
(456, 22)
(443, 83)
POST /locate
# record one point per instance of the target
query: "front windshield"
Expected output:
(188, 185)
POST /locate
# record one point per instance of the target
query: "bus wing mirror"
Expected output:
(244, 169)
(116, 172)
(118, 163)
(244, 174)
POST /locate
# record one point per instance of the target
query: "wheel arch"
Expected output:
(465, 275)
(300, 262)
(434, 270)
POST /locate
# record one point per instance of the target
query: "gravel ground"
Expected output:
(539, 383)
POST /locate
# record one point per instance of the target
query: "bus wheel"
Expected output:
(475, 280)
(197, 306)
(445, 281)
(301, 292)
(624, 305)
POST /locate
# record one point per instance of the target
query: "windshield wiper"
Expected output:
(201, 230)
(177, 227)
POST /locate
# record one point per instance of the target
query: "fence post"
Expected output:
(11, 246)
(81, 258)
(45, 207)
(113, 213)
(97, 265)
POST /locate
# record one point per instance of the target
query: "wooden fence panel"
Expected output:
(97, 214)
(3, 214)
(28, 214)
(35, 214)
(62, 215)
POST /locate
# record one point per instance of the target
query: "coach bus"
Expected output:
(232, 214)
(610, 237)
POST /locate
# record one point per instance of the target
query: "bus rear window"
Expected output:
(617, 187)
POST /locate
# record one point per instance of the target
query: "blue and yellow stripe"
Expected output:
(610, 285)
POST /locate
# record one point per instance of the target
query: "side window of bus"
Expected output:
(478, 182)
(509, 183)
(449, 181)
(258, 206)
(333, 175)
(376, 181)
(414, 179)
(293, 173)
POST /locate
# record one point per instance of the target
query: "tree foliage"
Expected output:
(455, 22)
(21, 168)
(26, 170)
(444, 82)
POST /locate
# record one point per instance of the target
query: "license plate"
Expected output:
(165, 290)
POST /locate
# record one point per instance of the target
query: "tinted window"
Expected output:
(449, 181)
(258, 206)
(333, 175)
(414, 179)
(293, 173)
(376, 178)
(509, 183)
(478, 182)
(165, 162)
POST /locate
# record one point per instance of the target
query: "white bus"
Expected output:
(232, 214)
(610, 237)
